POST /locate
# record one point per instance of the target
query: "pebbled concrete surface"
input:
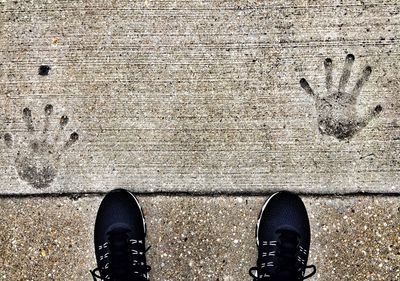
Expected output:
(244, 97)
(199, 96)
(199, 238)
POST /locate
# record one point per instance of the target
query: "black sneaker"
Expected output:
(283, 239)
(119, 239)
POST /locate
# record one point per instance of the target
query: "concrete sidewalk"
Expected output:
(199, 96)
(211, 98)
(199, 238)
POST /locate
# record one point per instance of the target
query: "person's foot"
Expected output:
(119, 239)
(283, 239)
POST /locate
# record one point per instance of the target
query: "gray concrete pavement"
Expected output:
(199, 96)
(199, 238)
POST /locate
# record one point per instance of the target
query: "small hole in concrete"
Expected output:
(48, 109)
(44, 70)
(74, 137)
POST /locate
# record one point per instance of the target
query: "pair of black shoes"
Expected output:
(283, 239)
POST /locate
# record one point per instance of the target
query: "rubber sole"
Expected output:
(141, 212)
(262, 211)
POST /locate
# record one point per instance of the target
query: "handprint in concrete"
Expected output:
(37, 155)
(337, 113)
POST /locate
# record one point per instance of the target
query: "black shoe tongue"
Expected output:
(120, 259)
(284, 276)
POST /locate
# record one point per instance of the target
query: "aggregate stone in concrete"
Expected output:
(199, 96)
(199, 238)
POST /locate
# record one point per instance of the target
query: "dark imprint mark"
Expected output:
(44, 70)
(27, 116)
(37, 160)
(72, 139)
(63, 121)
(48, 110)
(337, 114)
(8, 139)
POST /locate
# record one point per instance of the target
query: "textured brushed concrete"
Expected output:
(199, 96)
(199, 238)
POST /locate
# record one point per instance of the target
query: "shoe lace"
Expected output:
(285, 260)
(125, 259)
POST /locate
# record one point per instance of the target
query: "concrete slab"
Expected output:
(199, 238)
(199, 96)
